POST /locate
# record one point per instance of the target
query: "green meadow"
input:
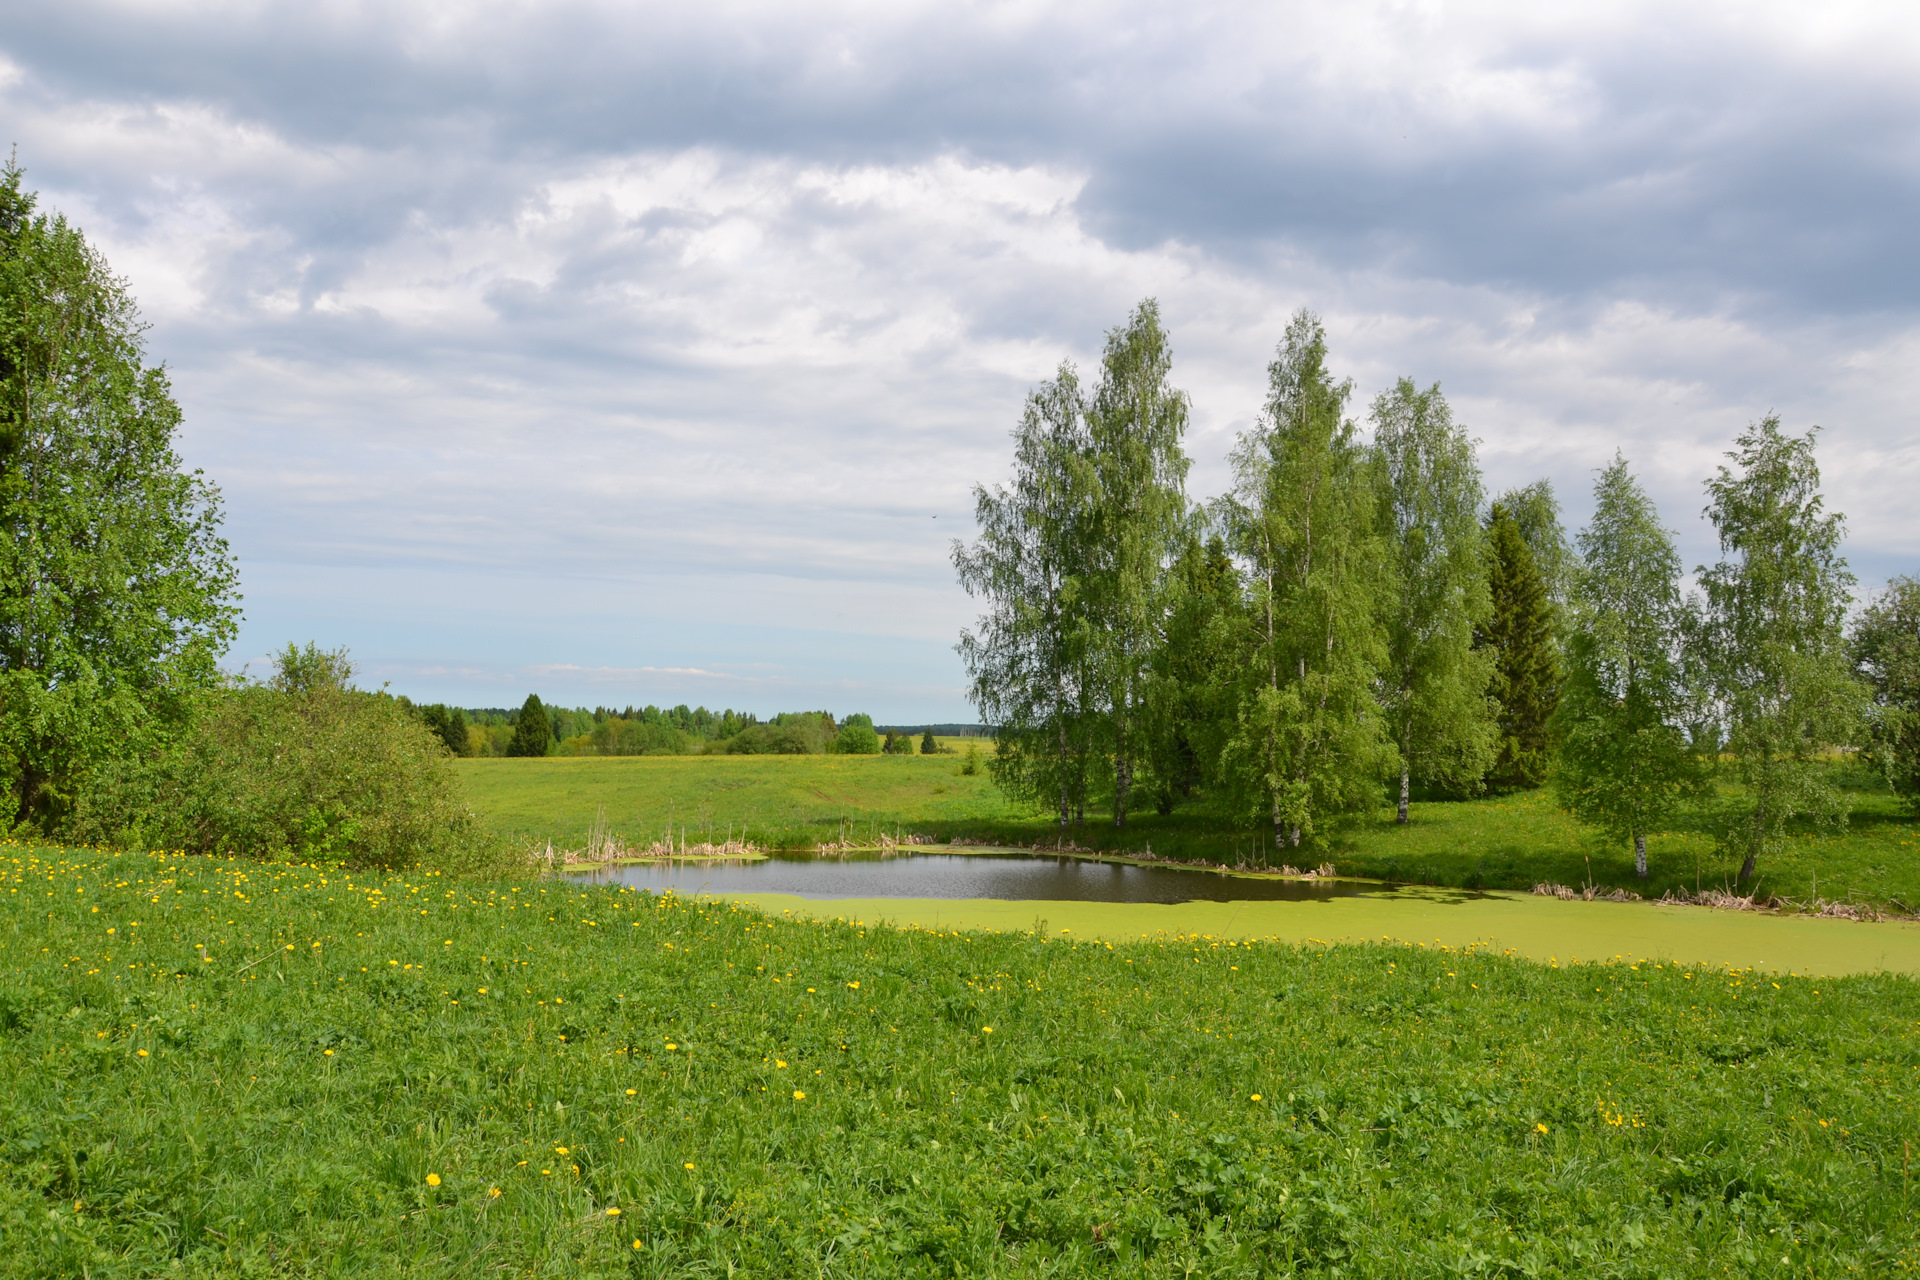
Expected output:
(217, 1068)
(1508, 842)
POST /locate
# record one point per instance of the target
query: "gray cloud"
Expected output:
(675, 330)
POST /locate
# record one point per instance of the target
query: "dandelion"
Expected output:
(561, 1151)
(672, 1047)
(1253, 1097)
(328, 1053)
(636, 1244)
(493, 1193)
(632, 1093)
(688, 1165)
(779, 1062)
(800, 1096)
(986, 1031)
(612, 1212)
(433, 1179)
(854, 985)
(141, 1053)
(1539, 1128)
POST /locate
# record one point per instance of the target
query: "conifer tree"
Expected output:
(1526, 675)
(1771, 643)
(1624, 763)
(532, 731)
(1308, 740)
(927, 745)
(1434, 687)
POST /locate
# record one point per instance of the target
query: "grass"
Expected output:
(217, 1068)
(1508, 842)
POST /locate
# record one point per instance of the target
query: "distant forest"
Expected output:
(670, 731)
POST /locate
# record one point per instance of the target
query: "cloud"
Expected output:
(591, 343)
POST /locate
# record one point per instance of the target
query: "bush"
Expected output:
(858, 737)
(304, 767)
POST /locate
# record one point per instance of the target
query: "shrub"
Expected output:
(857, 737)
(304, 767)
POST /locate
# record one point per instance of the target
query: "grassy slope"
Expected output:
(1509, 842)
(285, 1106)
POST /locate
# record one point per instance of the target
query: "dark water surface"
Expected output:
(1014, 877)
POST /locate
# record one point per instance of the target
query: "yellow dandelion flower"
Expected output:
(800, 1096)
(1253, 1098)
(1539, 1128)
(612, 1212)
(779, 1062)
(986, 1031)
(633, 1093)
(636, 1244)
(493, 1193)
(672, 1047)
(326, 1053)
(854, 985)
(433, 1179)
(560, 1151)
(141, 1053)
(688, 1165)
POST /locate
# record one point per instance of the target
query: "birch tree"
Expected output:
(1434, 686)
(1135, 524)
(1027, 658)
(1625, 766)
(1771, 643)
(1309, 742)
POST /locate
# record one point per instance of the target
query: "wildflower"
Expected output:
(632, 1092)
(560, 1151)
(493, 1193)
(986, 1031)
(779, 1062)
(1539, 1128)
(612, 1212)
(688, 1165)
(636, 1244)
(141, 1053)
(799, 1096)
(433, 1179)
(1253, 1098)
(854, 985)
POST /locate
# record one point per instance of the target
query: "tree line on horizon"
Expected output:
(538, 729)
(1354, 622)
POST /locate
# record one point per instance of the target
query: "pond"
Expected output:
(1007, 876)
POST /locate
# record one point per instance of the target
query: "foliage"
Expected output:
(532, 730)
(1434, 683)
(1770, 644)
(116, 591)
(778, 1098)
(1134, 530)
(927, 745)
(304, 767)
(1028, 657)
(1308, 741)
(1536, 512)
(1624, 764)
(449, 724)
(1526, 675)
(1885, 645)
(1187, 694)
(795, 733)
(858, 738)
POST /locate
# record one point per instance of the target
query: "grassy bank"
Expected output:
(1509, 842)
(215, 1068)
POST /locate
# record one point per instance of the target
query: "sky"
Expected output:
(651, 353)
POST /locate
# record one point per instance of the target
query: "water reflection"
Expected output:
(1013, 877)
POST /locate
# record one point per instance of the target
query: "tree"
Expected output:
(1771, 643)
(1308, 742)
(1624, 764)
(449, 724)
(1189, 671)
(117, 594)
(1136, 520)
(927, 745)
(858, 737)
(1434, 685)
(1886, 651)
(1526, 673)
(1537, 513)
(1027, 660)
(532, 730)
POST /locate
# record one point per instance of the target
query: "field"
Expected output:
(1509, 842)
(232, 1069)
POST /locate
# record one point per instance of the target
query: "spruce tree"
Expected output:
(1526, 675)
(532, 731)
(1434, 688)
(1624, 763)
(1308, 740)
(927, 745)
